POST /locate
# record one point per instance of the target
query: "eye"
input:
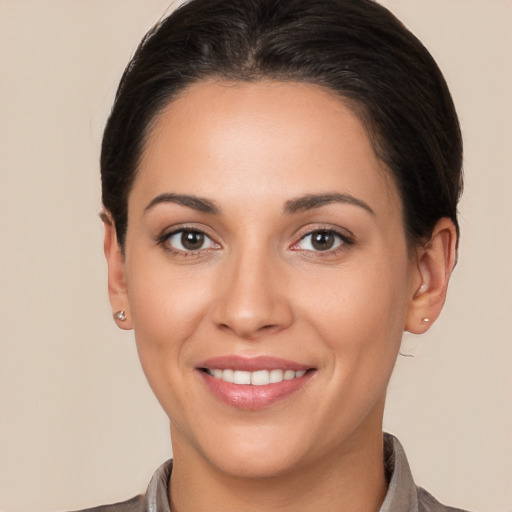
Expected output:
(189, 240)
(321, 240)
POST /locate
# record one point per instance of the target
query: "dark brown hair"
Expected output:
(356, 48)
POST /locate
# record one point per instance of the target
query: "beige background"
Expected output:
(78, 424)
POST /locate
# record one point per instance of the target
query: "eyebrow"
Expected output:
(299, 204)
(311, 201)
(196, 203)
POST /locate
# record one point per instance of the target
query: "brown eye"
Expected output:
(192, 240)
(188, 240)
(321, 240)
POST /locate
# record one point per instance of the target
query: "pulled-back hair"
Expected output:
(355, 48)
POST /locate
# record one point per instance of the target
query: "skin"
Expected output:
(258, 287)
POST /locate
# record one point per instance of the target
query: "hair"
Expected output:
(356, 48)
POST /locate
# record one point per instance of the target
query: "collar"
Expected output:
(402, 495)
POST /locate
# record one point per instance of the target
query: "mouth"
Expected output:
(253, 383)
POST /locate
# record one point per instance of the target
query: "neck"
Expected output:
(350, 479)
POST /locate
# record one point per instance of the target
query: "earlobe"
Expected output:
(116, 277)
(434, 265)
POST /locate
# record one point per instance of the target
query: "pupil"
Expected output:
(192, 240)
(322, 241)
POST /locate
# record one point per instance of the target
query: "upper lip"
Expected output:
(251, 364)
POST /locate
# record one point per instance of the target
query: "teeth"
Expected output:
(258, 378)
(227, 375)
(289, 375)
(276, 376)
(242, 377)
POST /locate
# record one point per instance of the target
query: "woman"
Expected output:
(280, 183)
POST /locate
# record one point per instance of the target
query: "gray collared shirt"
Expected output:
(403, 495)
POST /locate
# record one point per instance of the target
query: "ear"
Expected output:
(116, 277)
(434, 264)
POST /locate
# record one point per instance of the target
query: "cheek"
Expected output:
(167, 308)
(359, 314)
(360, 308)
(167, 302)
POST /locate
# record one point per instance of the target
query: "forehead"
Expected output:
(269, 138)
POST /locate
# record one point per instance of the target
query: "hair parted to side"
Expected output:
(355, 48)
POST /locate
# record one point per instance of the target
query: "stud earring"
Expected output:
(425, 320)
(120, 315)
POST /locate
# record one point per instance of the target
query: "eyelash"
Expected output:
(345, 242)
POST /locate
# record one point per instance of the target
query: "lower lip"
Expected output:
(246, 396)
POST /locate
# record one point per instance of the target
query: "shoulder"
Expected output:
(155, 499)
(403, 494)
(427, 503)
(132, 505)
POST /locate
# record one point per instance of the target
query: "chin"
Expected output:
(257, 452)
(255, 465)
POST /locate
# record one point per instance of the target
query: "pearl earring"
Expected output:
(425, 320)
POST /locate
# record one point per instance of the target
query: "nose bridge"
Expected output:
(250, 299)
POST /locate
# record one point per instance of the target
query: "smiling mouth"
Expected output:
(253, 383)
(256, 378)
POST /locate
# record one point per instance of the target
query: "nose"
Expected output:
(251, 299)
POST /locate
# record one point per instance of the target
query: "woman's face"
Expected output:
(266, 244)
